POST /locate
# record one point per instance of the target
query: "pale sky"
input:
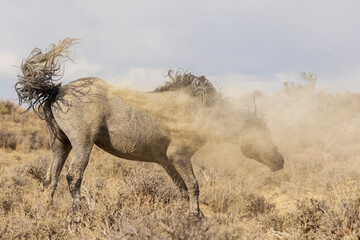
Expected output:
(241, 46)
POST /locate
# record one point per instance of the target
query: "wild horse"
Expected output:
(166, 126)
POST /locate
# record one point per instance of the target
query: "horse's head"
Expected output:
(256, 143)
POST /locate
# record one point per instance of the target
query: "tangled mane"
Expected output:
(197, 86)
(37, 86)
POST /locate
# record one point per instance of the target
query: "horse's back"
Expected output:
(90, 110)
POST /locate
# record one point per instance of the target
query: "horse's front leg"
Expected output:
(180, 157)
(174, 175)
(80, 159)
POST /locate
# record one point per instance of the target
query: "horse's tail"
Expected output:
(37, 86)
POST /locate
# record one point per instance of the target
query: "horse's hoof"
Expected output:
(196, 216)
(74, 217)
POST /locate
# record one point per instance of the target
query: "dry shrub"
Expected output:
(8, 139)
(38, 139)
(37, 169)
(315, 219)
(318, 219)
(221, 199)
(29, 140)
(257, 204)
(6, 203)
(48, 229)
(146, 187)
(274, 221)
(7, 107)
(173, 226)
(342, 219)
(19, 180)
(21, 131)
(310, 214)
(9, 200)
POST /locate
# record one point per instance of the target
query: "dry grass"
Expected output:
(316, 195)
(21, 131)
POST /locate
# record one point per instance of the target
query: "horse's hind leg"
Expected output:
(60, 151)
(80, 159)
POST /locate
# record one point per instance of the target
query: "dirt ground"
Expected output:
(315, 196)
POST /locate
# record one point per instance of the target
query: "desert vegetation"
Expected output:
(315, 196)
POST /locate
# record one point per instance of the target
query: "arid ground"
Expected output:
(315, 196)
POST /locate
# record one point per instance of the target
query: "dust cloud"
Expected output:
(305, 123)
(301, 119)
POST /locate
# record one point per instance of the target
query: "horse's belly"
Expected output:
(133, 135)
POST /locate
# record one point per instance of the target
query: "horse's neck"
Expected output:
(221, 123)
(175, 109)
(154, 101)
(184, 116)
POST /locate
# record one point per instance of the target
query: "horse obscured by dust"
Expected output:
(166, 126)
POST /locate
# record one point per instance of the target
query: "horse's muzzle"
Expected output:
(277, 163)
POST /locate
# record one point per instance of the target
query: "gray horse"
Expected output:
(166, 126)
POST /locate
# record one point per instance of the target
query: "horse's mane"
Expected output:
(197, 86)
